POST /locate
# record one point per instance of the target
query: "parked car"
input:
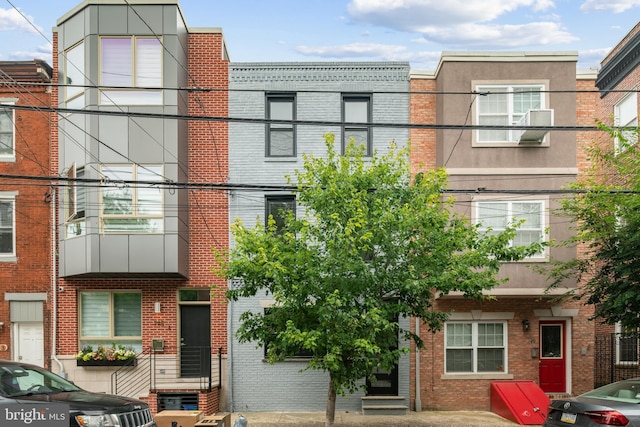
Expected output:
(22, 383)
(616, 404)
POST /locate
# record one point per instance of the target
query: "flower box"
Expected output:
(104, 362)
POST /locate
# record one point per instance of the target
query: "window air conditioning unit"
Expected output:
(539, 118)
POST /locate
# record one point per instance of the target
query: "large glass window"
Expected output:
(7, 132)
(74, 76)
(131, 202)
(495, 216)
(7, 227)
(281, 136)
(111, 317)
(356, 113)
(475, 347)
(504, 105)
(626, 116)
(131, 62)
(278, 208)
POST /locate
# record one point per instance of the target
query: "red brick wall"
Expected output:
(423, 111)
(32, 270)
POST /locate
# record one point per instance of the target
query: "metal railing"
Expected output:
(616, 357)
(193, 368)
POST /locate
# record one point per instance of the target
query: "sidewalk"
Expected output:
(353, 419)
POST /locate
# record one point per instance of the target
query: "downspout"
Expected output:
(418, 401)
(54, 283)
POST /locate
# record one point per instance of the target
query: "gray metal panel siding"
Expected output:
(26, 311)
(258, 386)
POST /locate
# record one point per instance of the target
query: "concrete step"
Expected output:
(384, 405)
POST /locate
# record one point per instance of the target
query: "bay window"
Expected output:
(131, 70)
(130, 200)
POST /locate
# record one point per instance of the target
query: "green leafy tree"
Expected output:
(606, 211)
(372, 246)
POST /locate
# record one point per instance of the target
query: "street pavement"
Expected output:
(353, 419)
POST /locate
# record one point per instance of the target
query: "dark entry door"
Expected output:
(552, 356)
(195, 341)
(383, 383)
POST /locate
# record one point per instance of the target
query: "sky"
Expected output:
(416, 31)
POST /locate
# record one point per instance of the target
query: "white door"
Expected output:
(29, 342)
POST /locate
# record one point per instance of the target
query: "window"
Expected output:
(626, 346)
(495, 216)
(111, 317)
(356, 113)
(76, 202)
(7, 131)
(7, 227)
(504, 106)
(475, 347)
(281, 140)
(299, 352)
(74, 76)
(626, 116)
(131, 62)
(131, 202)
(278, 206)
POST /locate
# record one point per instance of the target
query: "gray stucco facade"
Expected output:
(319, 88)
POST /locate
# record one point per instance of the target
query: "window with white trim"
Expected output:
(107, 317)
(495, 215)
(7, 226)
(131, 201)
(626, 346)
(131, 70)
(625, 117)
(76, 196)
(504, 105)
(7, 131)
(475, 347)
(74, 76)
(281, 140)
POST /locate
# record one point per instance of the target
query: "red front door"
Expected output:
(552, 355)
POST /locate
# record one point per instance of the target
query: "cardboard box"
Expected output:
(180, 418)
(220, 419)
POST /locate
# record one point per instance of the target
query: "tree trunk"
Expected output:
(331, 404)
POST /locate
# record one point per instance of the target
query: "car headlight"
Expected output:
(97, 421)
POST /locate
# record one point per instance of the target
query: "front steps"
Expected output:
(384, 405)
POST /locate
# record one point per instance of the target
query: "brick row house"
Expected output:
(147, 164)
(138, 218)
(26, 226)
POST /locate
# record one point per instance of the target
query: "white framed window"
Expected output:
(74, 76)
(494, 216)
(7, 131)
(131, 68)
(76, 197)
(7, 226)
(475, 347)
(107, 317)
(131, 202)
(504, 105)
(626, 116)
(627, 347)
(281, 137)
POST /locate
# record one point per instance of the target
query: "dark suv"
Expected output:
(22, 384)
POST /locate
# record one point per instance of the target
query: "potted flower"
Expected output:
(103, 355)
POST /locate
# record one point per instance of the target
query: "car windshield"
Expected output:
(16, 380)
(623, 391)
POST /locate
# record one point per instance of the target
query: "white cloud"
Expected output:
(11, 19)
(511, 36)
(411, 15)
(615, 6)
(376, 51)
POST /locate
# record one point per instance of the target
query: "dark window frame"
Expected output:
(282, 198)
(350, 126)
(283, 97)
(302, 354)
